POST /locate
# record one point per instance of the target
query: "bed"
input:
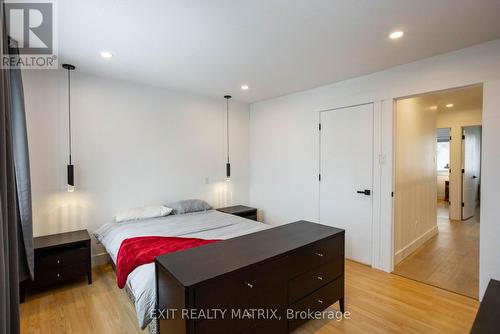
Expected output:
(209, 224)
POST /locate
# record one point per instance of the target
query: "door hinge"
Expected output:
(449, 171)
(449, 203)
(450, 137)
(319, 177)
(392, 193)
(463, 136)
(463, 204)
(463, 171)
(319, 126)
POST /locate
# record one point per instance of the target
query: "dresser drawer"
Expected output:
(317, 301)
(310, 281)
(263, 286)
(56, 258)
(316, 254)
(55, 275)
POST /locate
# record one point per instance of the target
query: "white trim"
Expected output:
(378, 161)
(319, 167)
(345, 107)
(415, 244)
(387, 187)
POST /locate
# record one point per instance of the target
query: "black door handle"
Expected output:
(364, 192)
(474, 177)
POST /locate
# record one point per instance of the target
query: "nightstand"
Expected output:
(60, 257)
(241, 211)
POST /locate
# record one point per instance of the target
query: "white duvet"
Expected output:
(206, 225)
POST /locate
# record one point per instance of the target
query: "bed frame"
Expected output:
(283, 271)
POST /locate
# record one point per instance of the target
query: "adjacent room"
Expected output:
(437, 197)
(249, 167)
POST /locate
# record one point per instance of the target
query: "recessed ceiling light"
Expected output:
(244, 87)
(433, 107)
(449, 105)
(106, 54)
(396, 34)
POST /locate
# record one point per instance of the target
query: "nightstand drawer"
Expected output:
(55, 275)
(241, 211)
(56, 258)
(252, 216)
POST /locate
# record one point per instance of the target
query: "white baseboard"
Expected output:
(410, 248)
(100, 259)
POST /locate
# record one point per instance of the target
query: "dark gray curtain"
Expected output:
(15, 199)
(22, 171)
(9, 234)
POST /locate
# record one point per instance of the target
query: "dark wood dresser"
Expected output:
(60, 257)
(293, 267)
(241, 211)
(488, 316)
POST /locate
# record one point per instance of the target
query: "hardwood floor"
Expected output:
(378, 302)
(81, 308)
(449, 260)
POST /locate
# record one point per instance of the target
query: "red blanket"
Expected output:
(137, 251)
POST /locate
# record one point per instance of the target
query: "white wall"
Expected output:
(284, 140)
(133, 145)
(455, 120)
(415, 206)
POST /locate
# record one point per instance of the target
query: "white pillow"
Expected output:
(142, 213)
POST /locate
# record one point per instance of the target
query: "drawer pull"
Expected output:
(319, 254)
(319, 278)
(250, 285)
(320, 301)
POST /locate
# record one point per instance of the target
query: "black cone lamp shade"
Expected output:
(228, 164)
(71, 177)
(70, 167)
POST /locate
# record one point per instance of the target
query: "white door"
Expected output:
(471, 164)
(346, 169)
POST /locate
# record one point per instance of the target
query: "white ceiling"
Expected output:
(211, 47)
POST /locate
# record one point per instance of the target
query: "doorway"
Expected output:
(437, 188)
(443, 168)
(346, 176)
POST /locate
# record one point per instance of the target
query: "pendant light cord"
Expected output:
(69, 114)
(227, 127)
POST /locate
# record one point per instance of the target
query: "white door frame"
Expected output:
(388, 140)
(381, 254)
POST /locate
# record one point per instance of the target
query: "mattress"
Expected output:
(210, 224)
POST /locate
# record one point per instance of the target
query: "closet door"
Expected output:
(346, 167)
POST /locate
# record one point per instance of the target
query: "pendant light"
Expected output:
(70, 167)
(228, 164)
